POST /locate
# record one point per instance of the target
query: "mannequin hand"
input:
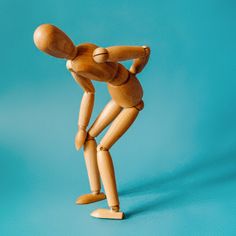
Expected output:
(139, 63)
(80, 138)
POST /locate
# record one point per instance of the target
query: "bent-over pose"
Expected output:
(88, 62)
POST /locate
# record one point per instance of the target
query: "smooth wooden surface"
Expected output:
(121, 76)
(88, 62)
(140, 63)
(84, 64)
(128, 94)
(118, 53)
(106, 170)
(123, 53)
(80, 138)
(90, 156)
(90, 198)
(119, 126)
(51, 40)
(84, 83)
(86, 108)
(107, 214)
(100, 55)
(108, 114)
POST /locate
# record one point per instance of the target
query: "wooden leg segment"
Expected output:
(108, 114)
(90, 156)
(107, 173)
(120, 125)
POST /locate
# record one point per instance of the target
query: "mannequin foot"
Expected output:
(108, 214)
(90, 197)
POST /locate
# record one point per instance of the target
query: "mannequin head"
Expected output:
(51, 40)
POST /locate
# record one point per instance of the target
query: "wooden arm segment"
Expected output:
(140, 63)
(84, 83)
(123, 53)
(140, 55)
(86, 108)
(87, 102)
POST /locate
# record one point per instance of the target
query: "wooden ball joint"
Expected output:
(87, 62)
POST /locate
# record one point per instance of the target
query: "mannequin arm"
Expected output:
(140, 54)
(86, 108)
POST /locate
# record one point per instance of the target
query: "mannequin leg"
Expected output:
(108, 114)
(90, 156)
(120, 125)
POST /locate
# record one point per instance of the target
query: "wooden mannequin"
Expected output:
(88, 62)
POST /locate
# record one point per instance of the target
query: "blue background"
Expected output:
(175, 167)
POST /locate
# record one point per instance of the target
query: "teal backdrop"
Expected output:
(175, 167)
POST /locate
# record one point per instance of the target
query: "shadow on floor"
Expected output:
(196, 182)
